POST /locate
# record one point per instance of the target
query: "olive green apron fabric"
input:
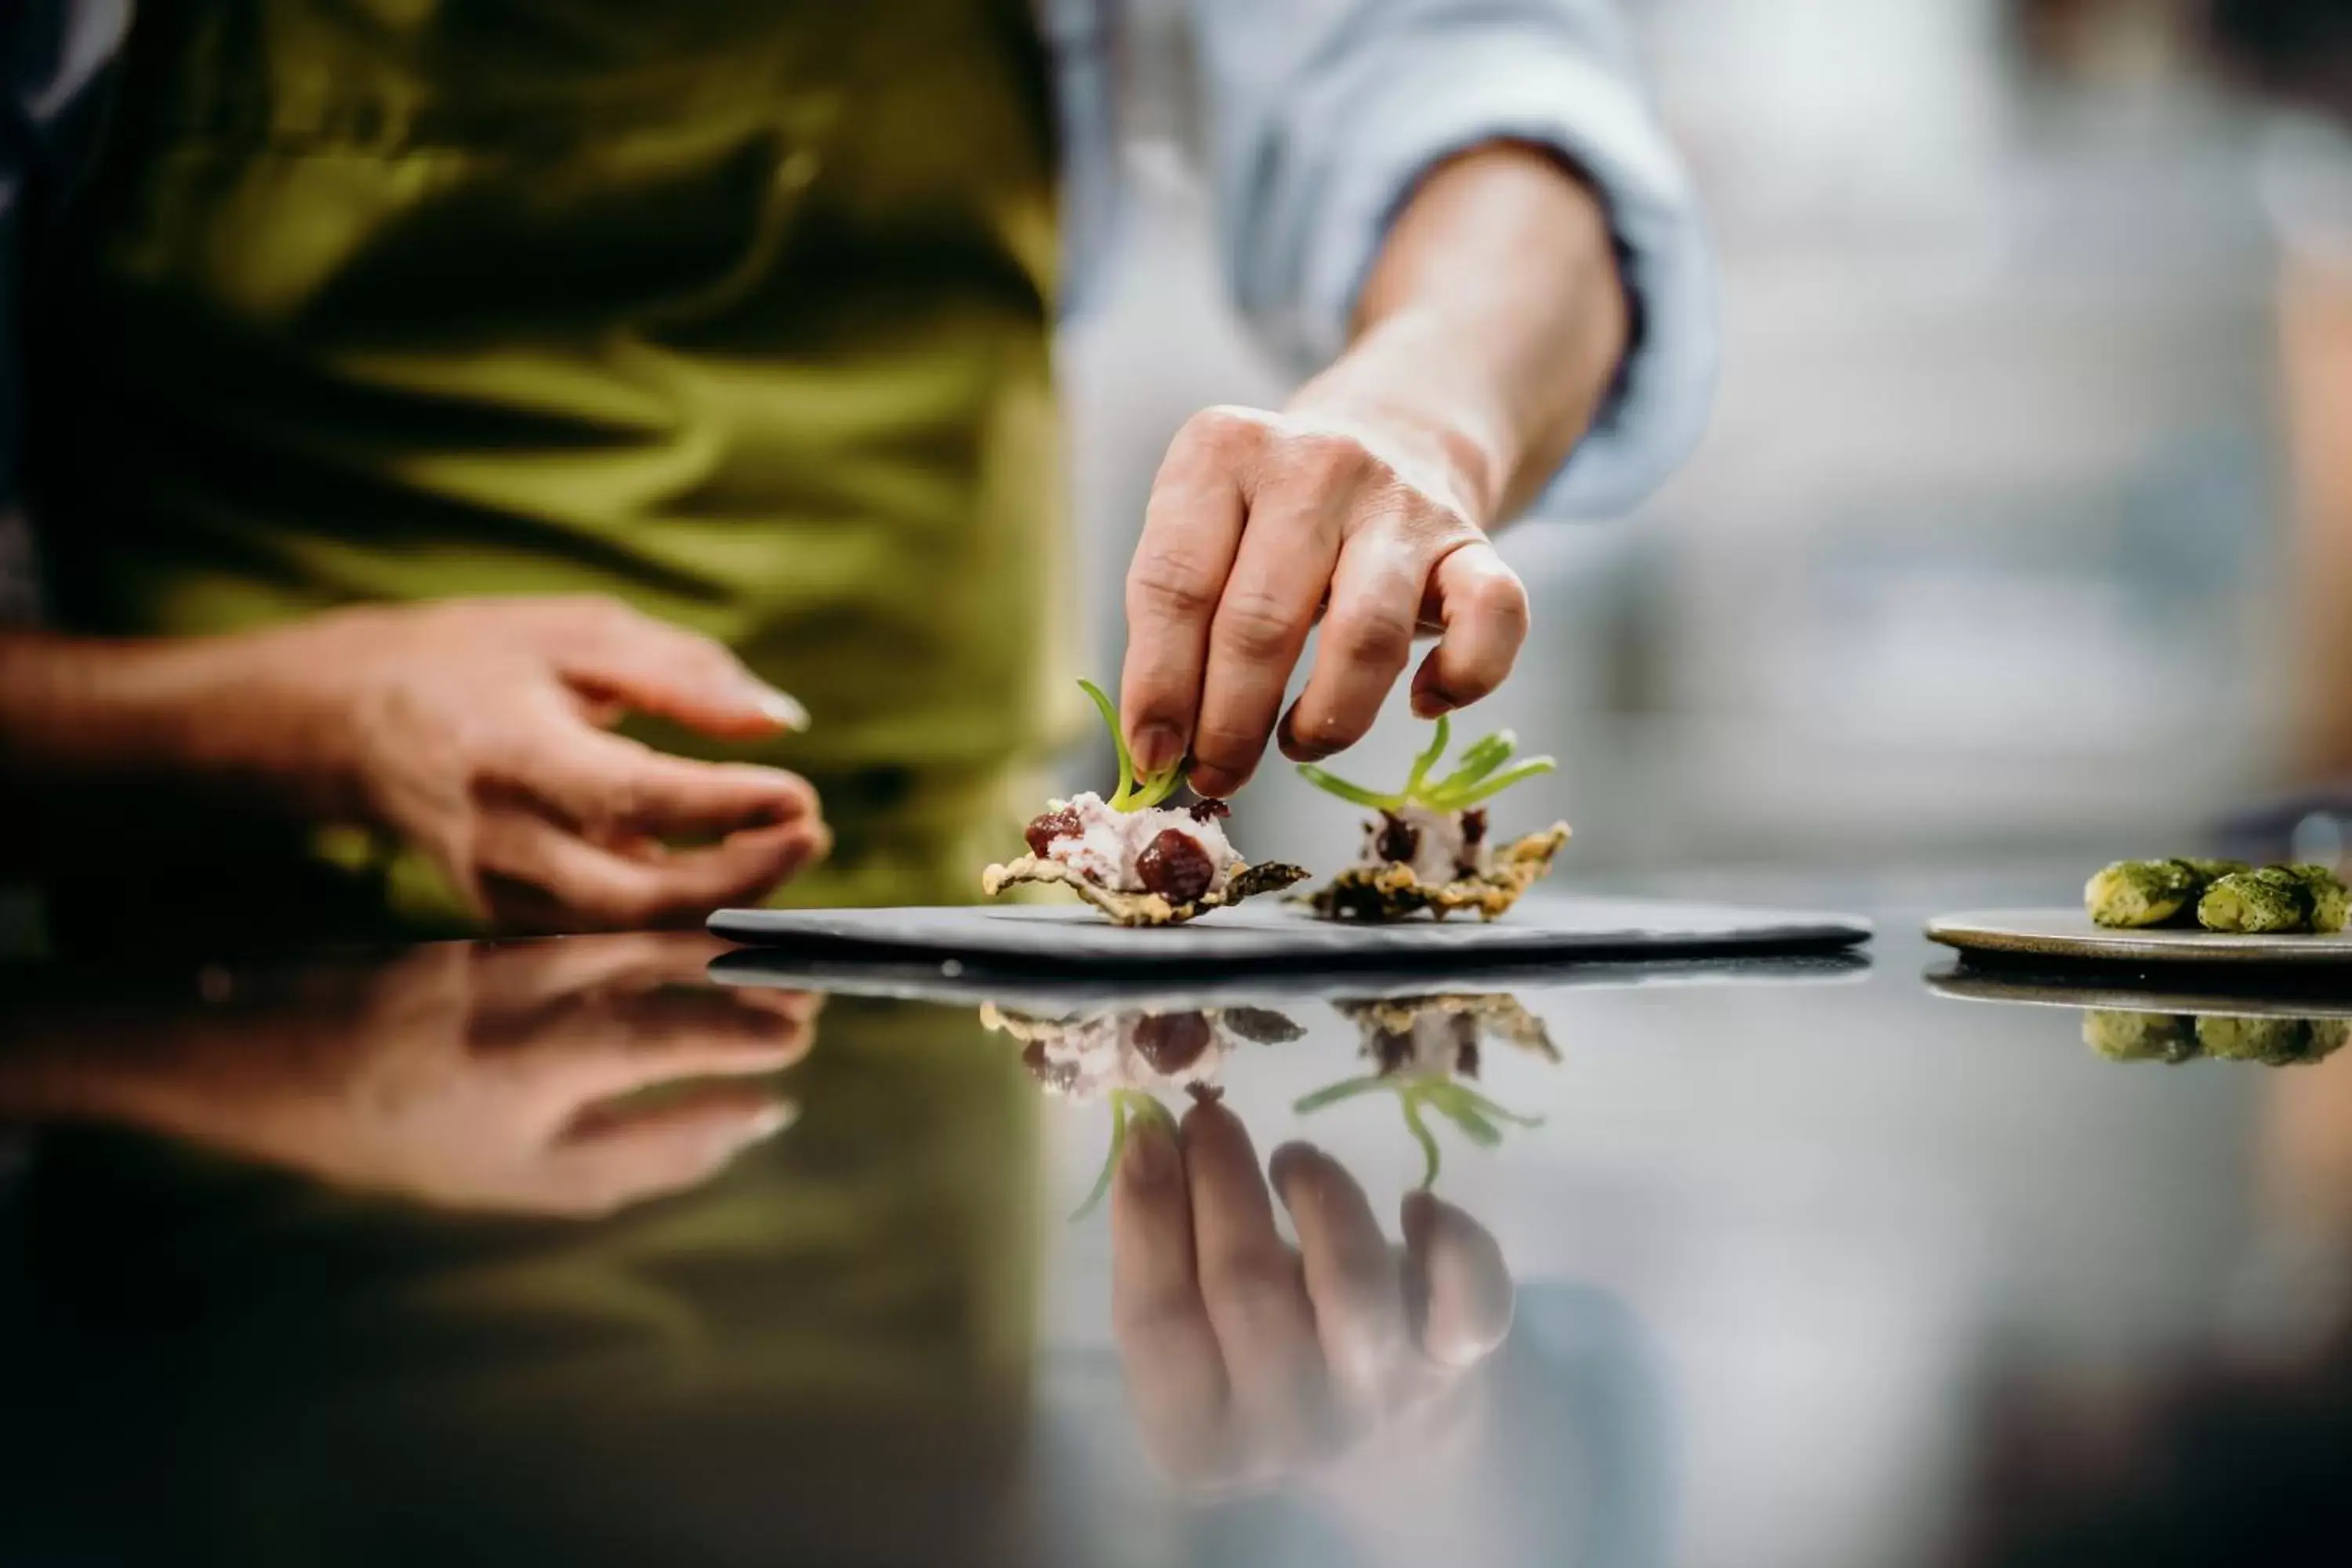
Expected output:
(739, 311)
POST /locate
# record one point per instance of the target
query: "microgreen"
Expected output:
(1133, 793)
(1478, 775)
(1127, 1105)
(1479, 1118)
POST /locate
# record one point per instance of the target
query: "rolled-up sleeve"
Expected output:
(1328, 113)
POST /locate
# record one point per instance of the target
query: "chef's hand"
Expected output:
(1260, 525)
(1248, 1363)
(1486, 338)
(476, 729)
(501, 1077)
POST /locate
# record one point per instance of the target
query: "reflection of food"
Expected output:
(2218, 895)
(2127, 1037)
(2140, 1037)
(1423, 1047)
(1125, 1056)
(1134, 858)
(1085, 1055)
(1428, 849)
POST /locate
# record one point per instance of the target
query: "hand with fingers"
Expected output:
(1262, 524)
(478, 730)
(1248, 1363)
(509, 1079)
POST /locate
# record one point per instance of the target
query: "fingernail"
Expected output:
(1152, 1158)
(767, 1122)
(779, 708)
(1155, 746)
(1286, 736)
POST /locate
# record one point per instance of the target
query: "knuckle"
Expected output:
(1223, 428)
(1255, 626)
(1163, 583)
(1255, 1294)
(1326, 460)
(1372, 634)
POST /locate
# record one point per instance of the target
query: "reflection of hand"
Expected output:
(487, 1077)
(1247, 1362)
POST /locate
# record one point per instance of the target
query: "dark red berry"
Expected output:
(1175, 866)
(1053, 825)
(1398, 840)
(1170, 1042)
(1474, 833)
(1209, 810)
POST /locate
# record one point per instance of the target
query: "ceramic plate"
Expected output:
(2068, 935)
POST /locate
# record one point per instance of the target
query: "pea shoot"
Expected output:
(1134, 793)
(1478, 774)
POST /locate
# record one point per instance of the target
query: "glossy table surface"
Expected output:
(574, 1251)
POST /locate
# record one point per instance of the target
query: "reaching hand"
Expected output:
(1259, 524)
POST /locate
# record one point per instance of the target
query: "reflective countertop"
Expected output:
(589, 1250)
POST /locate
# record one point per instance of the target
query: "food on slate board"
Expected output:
(1428, 847)
(1139, 861)
(2218, 895)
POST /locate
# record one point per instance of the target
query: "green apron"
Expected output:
(740, 312)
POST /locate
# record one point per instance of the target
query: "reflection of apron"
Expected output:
(739, 311)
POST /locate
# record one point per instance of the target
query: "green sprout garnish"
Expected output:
(1479, 1118)
(1478, 774)
(1133, 793)
(1126, 1106)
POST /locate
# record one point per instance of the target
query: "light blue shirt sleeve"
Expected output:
(1325, 113)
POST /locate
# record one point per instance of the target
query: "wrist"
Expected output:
(210, 713)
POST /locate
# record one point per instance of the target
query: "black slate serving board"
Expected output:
(1074, 939)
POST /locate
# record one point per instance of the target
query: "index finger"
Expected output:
(598, 781)
(1191, 530)
(1175, 1376)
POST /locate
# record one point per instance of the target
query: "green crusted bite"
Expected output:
(2269, 902)
(2328, 898)
(2134, 893)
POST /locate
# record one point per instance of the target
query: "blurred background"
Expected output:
(1988, 551)
(1991, 556)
